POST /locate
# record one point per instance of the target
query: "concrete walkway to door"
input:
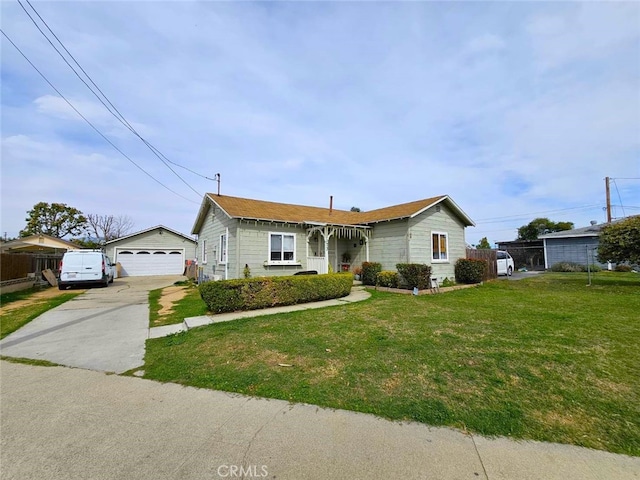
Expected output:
(102, 329)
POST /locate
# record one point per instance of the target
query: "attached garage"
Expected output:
(155, 251)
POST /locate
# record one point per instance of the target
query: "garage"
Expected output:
(154, 251)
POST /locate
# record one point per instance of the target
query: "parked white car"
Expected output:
(505, 263)
(85, 267)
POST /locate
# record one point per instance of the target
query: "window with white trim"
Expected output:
(204, 251)
(439, 246)
(282, 247)
(222, 252)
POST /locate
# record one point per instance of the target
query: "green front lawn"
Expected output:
(12, 320)
(190, 306)
(546, 358)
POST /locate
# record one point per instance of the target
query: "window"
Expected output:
(204, 251)
(159, 253)
(439, 247)
(222, 255)
(282, 247)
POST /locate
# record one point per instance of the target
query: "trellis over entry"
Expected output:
(320, 262)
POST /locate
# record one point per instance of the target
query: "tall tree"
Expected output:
(483, 243)
(541, 226)
(620, 241)
(55, 219)
(355, 209)
(108, 227)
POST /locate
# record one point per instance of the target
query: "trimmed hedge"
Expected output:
(415, 275)
(388, 278)
(370, 271)
(263, 292)
(470, 270)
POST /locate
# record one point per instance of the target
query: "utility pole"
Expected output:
(606, 183)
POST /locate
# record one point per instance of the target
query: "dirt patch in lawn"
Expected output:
(33, 299)
(170, 295)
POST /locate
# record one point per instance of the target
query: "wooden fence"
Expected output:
(490, 256)
(20, 265)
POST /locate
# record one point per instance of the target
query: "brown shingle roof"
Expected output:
(284, 212)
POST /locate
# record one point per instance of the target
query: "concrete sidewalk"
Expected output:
(64, 423)
(357, 295)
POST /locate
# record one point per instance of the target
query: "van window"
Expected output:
(72, 261)
(502, 255)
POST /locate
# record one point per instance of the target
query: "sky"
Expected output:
(516, 110)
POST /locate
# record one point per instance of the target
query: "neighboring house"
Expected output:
(39, 244)
(282, 239)
(154, 251)
(579, 245)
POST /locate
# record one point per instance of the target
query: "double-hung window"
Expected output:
(282, 247)
(222, 252)
(439, 247)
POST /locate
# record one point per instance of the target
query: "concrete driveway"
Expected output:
(103, 329)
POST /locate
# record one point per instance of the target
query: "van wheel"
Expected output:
(509, 271)
(61, 286)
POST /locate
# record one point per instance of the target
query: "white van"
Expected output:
(505, 263)
(85, 267)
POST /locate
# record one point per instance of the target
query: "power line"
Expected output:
(619, 197)
(524, 215)
(91, 124)
(111, 108)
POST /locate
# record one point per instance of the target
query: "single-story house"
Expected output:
(154, 251)
(39, 244)
(281, 239)
(579, 245)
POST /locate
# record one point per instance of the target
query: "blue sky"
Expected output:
(515, 110)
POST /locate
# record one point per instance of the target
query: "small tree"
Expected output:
(355, 209)
(55, 219)
(108, 227)
(620, 241)
(483, 243)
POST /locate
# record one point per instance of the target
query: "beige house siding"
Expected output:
(154, 240)
(388, 244)
(420, 248)
(254, 248)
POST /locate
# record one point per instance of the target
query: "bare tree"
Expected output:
(108, 227)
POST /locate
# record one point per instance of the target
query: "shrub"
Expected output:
(470, 270)
(263, 292)
(387, 278)
(623, 268)
(447, 283)
(568, 267)
(370, 271)
(414, 275)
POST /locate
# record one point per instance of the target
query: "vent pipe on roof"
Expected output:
(216, 177)
(330, 204)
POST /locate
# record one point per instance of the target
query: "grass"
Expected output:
(29, 361)
(14, 319)
(190, 306)
(546, 358)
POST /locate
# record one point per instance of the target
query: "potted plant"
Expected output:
(346, 257)
(357, 273)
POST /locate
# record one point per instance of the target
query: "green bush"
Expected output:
(447, 282)
(264, 292)
(370, 271)
(387, 278)
(569, 267)
(623, 268)
(414, 275)
(470, 270)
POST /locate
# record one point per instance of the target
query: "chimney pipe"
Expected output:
(330, 204)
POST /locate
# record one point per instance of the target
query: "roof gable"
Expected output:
(41, 239)
(245, 208)
(157, 227)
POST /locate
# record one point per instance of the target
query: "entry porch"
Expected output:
(336, 247)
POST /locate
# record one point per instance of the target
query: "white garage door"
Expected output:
(142, 262)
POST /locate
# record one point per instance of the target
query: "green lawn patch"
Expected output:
(13, 319)
(189, 306)
(546, 358)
